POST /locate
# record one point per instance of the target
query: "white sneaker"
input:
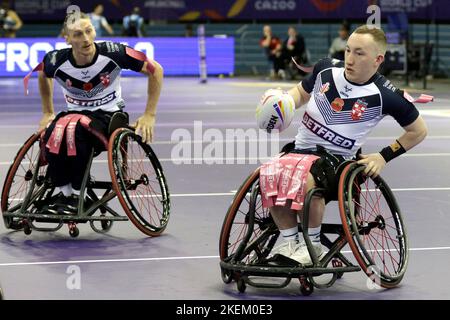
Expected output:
(287, 248)
(302, 254)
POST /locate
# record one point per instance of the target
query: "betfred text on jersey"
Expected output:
(91, 103)
(326, 133)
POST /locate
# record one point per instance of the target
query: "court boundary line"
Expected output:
(234, 161)
(62, 262)
(233, 192)
(170, 142)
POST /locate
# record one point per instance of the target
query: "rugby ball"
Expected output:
(275, 110)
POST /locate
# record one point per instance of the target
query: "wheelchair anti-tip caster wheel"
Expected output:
(241, 285)
(26, 227)
(73, 230)
(306, 287)
(106, 225)
(227, 275)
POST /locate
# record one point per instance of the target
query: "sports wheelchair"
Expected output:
(137, 179)
(372, 226)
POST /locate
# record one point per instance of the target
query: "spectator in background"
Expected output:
(337, 49)
(273, 48)
(99, 22)
(294, 47)
(10, 22)
(133, 24)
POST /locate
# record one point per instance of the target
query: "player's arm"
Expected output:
(46, 92)
(302, 92)
(300, 96)
(413, 135)
(144, 125)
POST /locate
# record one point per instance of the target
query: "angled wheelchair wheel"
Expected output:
(236, 226)
(19, 179)
(373, 226)
(139, 182)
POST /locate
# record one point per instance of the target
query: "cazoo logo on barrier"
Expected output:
(275, 5)
(20, 56)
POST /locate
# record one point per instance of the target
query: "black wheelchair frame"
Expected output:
(240, 267)
(34, 207)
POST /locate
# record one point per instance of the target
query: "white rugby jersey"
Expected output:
(93, 86)
(341, 114)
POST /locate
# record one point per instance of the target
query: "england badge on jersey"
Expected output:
(105, 79)
(358, 109)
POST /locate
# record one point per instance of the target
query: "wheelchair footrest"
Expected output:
(268, 285)
(284, 272)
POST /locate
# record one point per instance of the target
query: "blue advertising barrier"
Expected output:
(178, 56)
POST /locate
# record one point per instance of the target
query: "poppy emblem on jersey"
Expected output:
(87, 86)
(68, 83)
(358, 109)
(324, 88)
(105, 79)
(337, 104)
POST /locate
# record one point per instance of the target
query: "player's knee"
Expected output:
(285, 209)
(310, 182)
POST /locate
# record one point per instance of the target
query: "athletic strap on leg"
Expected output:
(285, 185)
(68, 124)
(70, 134)
(299, 180)
(284, 178)
(54, 142)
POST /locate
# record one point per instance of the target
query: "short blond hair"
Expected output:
(377, 34)
(71, 18)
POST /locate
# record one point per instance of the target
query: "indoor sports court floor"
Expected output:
(183, 263)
